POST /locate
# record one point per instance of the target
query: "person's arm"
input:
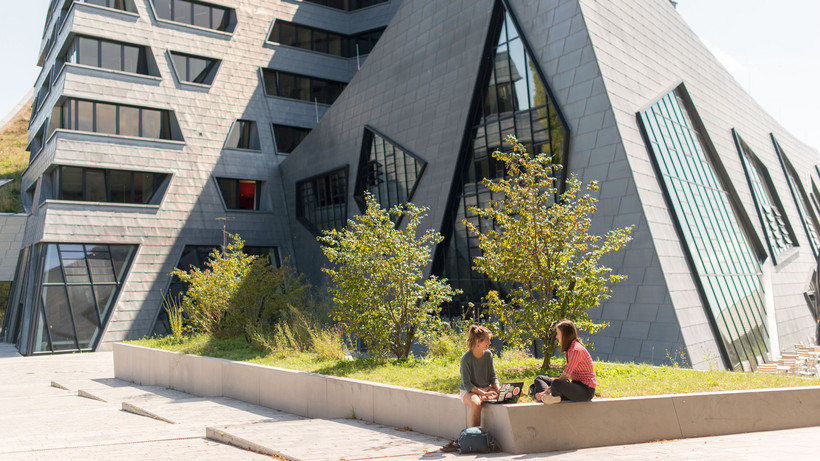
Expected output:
(572, 362)
(493, 377)
(467, 376)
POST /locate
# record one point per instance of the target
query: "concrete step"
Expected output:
(334, 439)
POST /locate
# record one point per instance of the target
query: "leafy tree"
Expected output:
(377, 278)
(540, 248)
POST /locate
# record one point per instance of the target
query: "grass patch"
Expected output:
(442, 375)
(13, 159)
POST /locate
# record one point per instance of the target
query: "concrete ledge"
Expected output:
(522, 428)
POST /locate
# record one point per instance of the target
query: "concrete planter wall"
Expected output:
(522, 428)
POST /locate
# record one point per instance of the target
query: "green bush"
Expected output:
(449, 341)
(238, 293)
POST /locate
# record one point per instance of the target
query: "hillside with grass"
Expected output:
(13, 159)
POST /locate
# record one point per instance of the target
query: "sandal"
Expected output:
(451, 446)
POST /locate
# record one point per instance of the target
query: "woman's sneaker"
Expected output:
(549, 399)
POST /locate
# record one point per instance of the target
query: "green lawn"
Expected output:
(614, 379)
(13, 159)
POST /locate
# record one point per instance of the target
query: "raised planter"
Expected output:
(521, 428)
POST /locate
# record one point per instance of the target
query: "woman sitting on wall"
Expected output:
(478, 379)
(579, 370)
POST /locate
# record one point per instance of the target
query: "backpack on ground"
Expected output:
(476, 440)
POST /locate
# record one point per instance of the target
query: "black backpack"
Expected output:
(476, 440)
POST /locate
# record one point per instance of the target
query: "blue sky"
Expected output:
(771, 47)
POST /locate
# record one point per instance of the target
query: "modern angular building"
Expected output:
(158, 122)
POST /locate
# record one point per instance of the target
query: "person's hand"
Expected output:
(490, 395)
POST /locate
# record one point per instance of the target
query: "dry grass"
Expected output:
(13, 159)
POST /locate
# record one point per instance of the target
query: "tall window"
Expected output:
(512, 98)
(386, 170)
(725, 263)
(100, 117)
(101, 185)
(79, 286)
(108, 54)
(194, 69)
(288, 137)
(311, 38)
(800, 199)
(347, 5)
(778, 231)
(243, 135)
(293, 86)
(240, 194)
(195, 13)
(321, 201)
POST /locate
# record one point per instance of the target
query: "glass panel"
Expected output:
(41, 341)
(202, 15)
(111, 54)
(99, 262)
(121, 257)
(228, 189)
(219, 18)
(71, 183)
(60, 328)
(52, 270)
(121, 186)
(151, 123)
(106, 118)
(198, 69)
(131, 59)
(247, 195)
(105, 298)
(181, 66)
(288, 137)
(182, 11)
(84, 313)
(88, 51)
(163, 9)
(95, 190)
(74, 265)
(143, 187)
(85, 116)
(284, 33)
(129, 121)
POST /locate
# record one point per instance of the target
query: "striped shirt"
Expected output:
(579, 365)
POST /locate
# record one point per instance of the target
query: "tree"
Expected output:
(377, 278)
(237, 292)
(540, 248)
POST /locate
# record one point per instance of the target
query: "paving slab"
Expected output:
(331, 439)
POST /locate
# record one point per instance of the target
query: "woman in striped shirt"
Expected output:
(579, 369)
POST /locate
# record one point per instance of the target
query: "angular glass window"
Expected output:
(321, 201)
(322, 41)
(778, 231)
(512, 97)
(75, 298)
(293, 86)
(240, 194)
(726, 263)
(109, 54)
(386, 170)
(115, 119)
(810, 223)
(194, 69)
(195, 13)
(114, 186)
(288, 137)
(243, 135)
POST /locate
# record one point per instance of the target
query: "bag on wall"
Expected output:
(477, 440)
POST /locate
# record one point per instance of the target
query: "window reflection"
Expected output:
(321, 201)
(98, 185)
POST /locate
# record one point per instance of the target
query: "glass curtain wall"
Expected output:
(321, 201)
(513, 99)
(74, 290)
(800, 199)
(726, 265)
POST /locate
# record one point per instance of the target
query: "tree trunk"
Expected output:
(550, 342)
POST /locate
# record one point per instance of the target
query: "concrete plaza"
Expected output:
(71, 407)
